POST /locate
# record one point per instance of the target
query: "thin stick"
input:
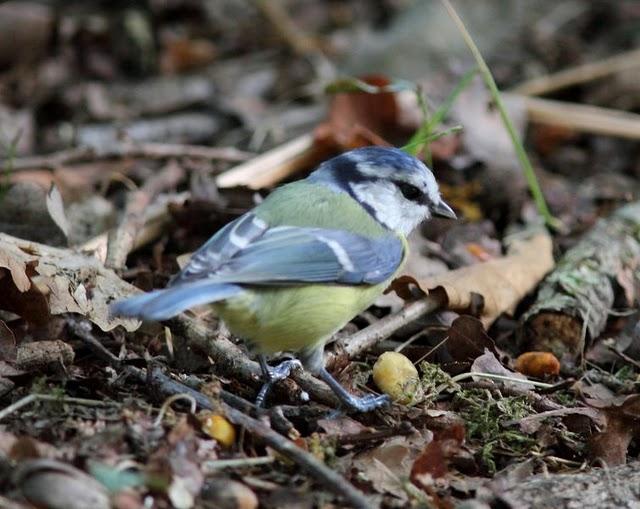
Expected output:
(315, 468)
(273, 166)
(369, 336)
(529, 174)
(122, 240)
(579, 74)
(624, 356)
(156, 218)
(286, 28)
(492, 376)
(129, 149)
(171, 399)
(583, 117)
(215, 465)
(27, 400)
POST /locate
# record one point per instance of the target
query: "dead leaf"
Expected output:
(177, 461)
(227, 493)
(342, 426)
(433, 462)
(532, 423)
(11, 258)
(42, 354)
(468, 339)
(488, 363)
(62, 280)
(502, 282)
(357, 118)
(622, 415)
(55, 206)
(387, 465)
(183, 54)
(24, 213)
(57, 485)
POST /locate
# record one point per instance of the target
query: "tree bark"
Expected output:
(575, 300)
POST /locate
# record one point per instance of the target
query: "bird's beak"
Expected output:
(441, 209)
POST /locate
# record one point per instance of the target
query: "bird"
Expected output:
(290, 273)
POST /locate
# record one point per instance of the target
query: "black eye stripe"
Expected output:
(409, 191)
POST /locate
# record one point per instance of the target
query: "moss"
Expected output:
(434, 381)
(484, 418)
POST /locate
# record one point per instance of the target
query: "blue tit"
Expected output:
(294, 270)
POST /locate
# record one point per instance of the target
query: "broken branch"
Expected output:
(148, 150)
(579, 74)
(575, 299)
(122, 240)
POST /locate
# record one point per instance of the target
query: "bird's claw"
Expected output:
(275, 374)
(283, 370)
(368, 403)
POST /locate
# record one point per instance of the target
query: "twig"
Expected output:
(212, 466)
(318, 470)
(624, 356)
(147, 150)
(31, 398)
(579, 74)
(171, 399)
(493, 376)
(485, 72)
(539, 402)
(277, 15)
(123, 239)
(273, 166)
(166, 386)
(156, 218)
(315, 468)
(583, 117)
(403, 428)
(362, 340)
(230, 360)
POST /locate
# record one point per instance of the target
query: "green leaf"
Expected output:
(423, 135)
(343, 85)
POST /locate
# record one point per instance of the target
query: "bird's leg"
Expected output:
(313, 360)
(361, 404)
(272, 375)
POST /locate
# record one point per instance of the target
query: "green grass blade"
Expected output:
(530, 175)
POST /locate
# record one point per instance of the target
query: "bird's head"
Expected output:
(398, 190)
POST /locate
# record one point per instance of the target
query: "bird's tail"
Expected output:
(167, 303)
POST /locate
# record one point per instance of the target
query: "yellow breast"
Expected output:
(292, 318)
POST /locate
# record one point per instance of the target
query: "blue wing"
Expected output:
(287, 254)
(248, 252)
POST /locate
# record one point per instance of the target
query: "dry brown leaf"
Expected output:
(502, 282)
(357, 119)
(70, 282)
(15, 261)
(622, 415)
(386, 465)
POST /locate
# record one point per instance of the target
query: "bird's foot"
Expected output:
(273, 375)
(362, 404)
(366, 403)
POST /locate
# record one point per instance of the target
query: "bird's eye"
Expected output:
(409, 191)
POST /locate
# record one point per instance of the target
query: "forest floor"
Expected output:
(130, 132)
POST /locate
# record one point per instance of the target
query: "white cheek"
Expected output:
(390, 208)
